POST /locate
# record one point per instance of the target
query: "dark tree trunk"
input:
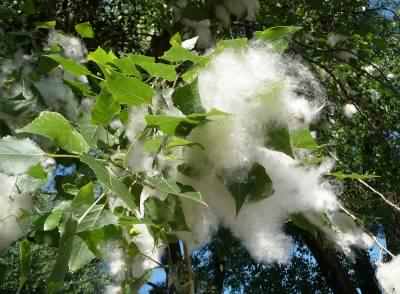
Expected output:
(326, 255)
(219, 274)
(365, 273)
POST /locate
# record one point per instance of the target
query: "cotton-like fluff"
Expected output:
(150, 252)
(138, 160)
(388, 276)
(259, 224)
(349, 110)
(12, 204)
(73, 47)
(260, 90)
(254, 86)
(112, 289)
(57, 95)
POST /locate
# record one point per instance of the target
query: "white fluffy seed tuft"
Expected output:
(388, 276)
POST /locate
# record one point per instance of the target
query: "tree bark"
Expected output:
(326, 256)
(365, 273)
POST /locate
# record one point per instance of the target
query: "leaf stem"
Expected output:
(62, 155)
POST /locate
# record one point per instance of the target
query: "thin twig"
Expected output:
(377, 242)
(387, 201)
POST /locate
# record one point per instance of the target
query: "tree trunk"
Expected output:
(326, 256)
(365, 273)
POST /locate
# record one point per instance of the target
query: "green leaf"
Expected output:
(97, 218)
(79, 87)
(45, 65)
(127, 66)
(353, 176)
(51, 24)
(153, 145)
(55, 127)
(257, 185)
(232, 43)
(54, 219)
(110, 181)
(100, 56)
(85, 197)
(129, 90)
(70, 65)
(18, 155)
(29, 7)
(278, 36)
(166, 187)
(105, 108)
(25, 260)
(180, 54)
(37, 172)
(56, 279)
(85, 30)
(174, 142)
(187, 98)
(279, 139)
(161, 70)
(302, 139)
(97, 240)
(80, 255)
(168, 124)
(176, 40)
(168, 211)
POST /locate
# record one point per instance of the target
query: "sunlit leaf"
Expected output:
(105, 108)
(17, 156)
(180, 54)
(161, 70)
(167, 186)
(187, 98)
(51, 24)
(37, 172)
(352, 176)
(80, 255)
(85, 30)
(129, 90)
(100, 56)
(110, 181)
(302, 138)
(55, 127)
(278, 36)
(70, 65)
(54, 218)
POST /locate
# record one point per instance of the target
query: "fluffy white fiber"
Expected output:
(260, 90)
(73, 47)
(150, 253)
(12, 204)
(349, 110)
(57, 95)
(388, 275)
